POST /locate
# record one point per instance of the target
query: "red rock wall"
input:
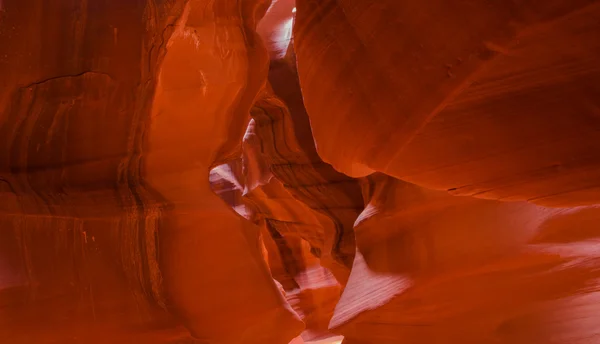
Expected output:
(395, 172)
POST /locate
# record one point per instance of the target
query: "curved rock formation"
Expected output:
(478, 271)
(214, 68)
(494, 101)
(255, 171)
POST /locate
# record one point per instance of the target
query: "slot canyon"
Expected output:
(308, 171)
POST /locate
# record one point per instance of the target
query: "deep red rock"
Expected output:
(274, 172)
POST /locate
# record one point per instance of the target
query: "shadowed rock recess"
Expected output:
(309, 171)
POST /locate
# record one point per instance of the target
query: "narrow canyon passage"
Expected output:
(308, 171)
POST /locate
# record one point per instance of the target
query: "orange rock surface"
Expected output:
(274, 172)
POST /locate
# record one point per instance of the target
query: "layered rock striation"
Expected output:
(254, 171)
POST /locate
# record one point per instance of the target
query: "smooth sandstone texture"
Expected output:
(494, 100)
(224, 67)
(478, 271)
(188, 171)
